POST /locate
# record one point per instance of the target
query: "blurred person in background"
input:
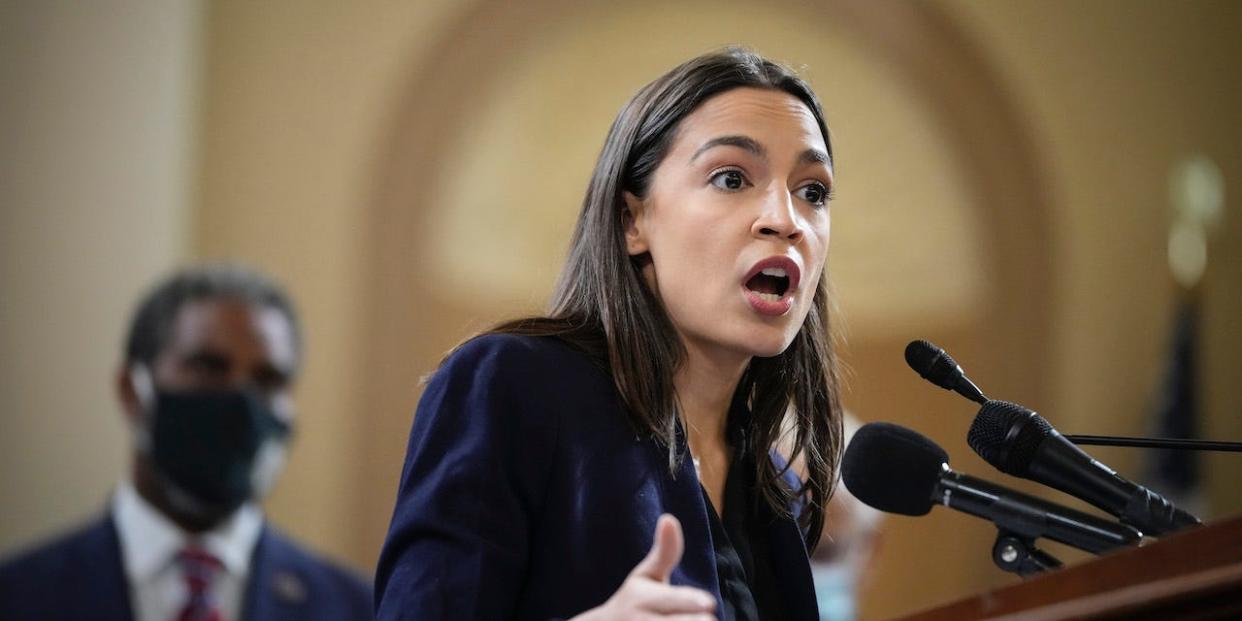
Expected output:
(210, 359)
(842, 562)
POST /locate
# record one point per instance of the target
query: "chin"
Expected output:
(769, 342)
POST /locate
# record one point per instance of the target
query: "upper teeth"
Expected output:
(773, 271)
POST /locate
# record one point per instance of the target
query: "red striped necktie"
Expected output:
(200, 569)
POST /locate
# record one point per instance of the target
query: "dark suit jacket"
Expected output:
(80, 577)
(527, 494)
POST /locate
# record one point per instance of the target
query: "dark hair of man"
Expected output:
(152, 322)
(602, 305)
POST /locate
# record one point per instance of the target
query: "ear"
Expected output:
(127, 395)
(632, 223)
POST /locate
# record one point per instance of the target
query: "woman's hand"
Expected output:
(646, 593)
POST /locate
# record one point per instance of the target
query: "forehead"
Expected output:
(235, 328)
(766, 115)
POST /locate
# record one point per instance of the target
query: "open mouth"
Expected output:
(769, 284)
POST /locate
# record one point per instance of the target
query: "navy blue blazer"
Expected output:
(80, 576)
(527, 494)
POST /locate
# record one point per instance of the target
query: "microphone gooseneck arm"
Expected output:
(1178, 444)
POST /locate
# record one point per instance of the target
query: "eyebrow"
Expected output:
(746, 143)
(815, 156)
(212, 359)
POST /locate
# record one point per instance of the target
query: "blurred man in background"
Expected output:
(841, 563)
(209, 362)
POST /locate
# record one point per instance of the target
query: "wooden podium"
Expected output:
(1195, 574)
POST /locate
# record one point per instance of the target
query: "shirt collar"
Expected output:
(150, 541)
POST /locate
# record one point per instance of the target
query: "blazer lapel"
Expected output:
(793, 569)
(276, 590)
(683, 498)
(93, 572)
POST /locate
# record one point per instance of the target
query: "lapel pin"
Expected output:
(288, 587)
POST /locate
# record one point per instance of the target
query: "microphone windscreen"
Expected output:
(892, 468)
(1007, 435)
(932, 363)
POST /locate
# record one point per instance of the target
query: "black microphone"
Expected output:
(938, 367)
(1021, 443)
(898, 470)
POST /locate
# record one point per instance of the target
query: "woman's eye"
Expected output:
(730, 180)
(813, 193)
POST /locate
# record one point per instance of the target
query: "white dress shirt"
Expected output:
(150, 543)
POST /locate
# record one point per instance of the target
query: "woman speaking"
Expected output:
(617, 459)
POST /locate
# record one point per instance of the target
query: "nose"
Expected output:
(779, 218)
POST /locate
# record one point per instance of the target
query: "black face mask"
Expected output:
(207, 443)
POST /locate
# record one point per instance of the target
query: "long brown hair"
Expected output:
(602, 306)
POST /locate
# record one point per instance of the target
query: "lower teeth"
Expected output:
(768, 297)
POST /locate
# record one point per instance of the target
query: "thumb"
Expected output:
(665, 551)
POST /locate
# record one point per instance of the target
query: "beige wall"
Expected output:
(302, 95)
(98, 105)
(365, 155)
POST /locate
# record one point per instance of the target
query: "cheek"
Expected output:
(817, 252)
(816, 257)
(687, 247)
(685, 268)
(282, 406)
(821, 227)
(172, 375)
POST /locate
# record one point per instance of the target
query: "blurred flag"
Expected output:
(1176, 474)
